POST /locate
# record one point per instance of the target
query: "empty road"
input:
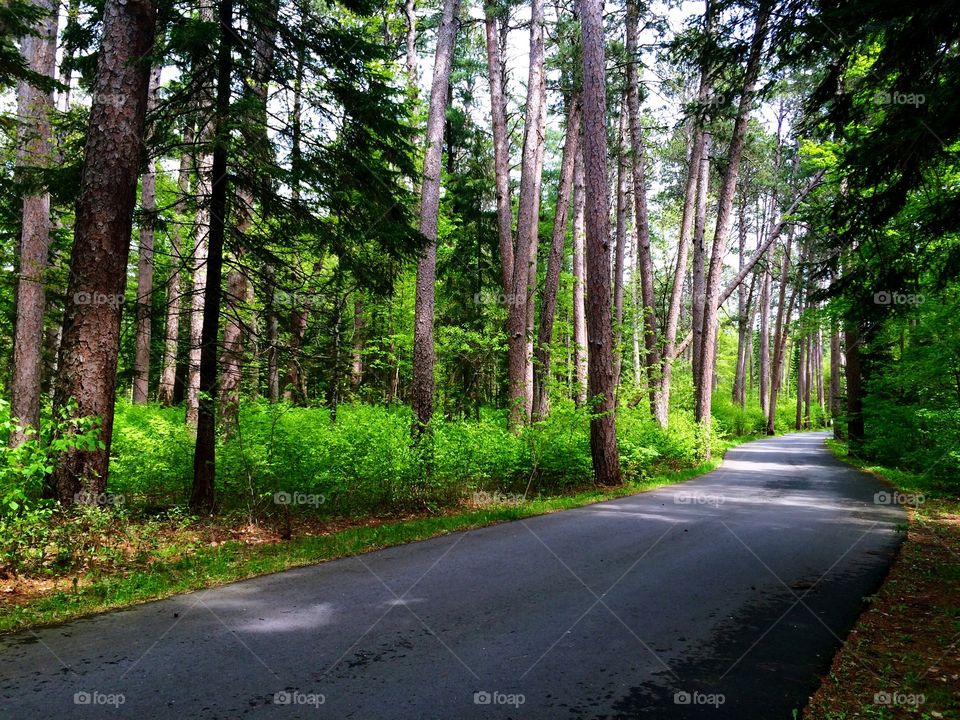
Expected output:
(722, 597)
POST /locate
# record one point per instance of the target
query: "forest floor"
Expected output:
(902, 658)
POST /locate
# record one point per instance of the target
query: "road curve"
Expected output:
(722, 597)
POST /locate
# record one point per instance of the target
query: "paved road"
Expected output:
(723, 597)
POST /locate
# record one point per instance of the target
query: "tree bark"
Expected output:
(202, 496)
(422, 385)
(148, 209)
(703, 383)
(35, 149)
(739, 387)
(501, 151)
(548, 307)
(620, 247)
(356, 364)
(698, 291)
(780, 334)
(603, 432)
(580, 352)
(835, 383)
(98, 268)
(168, 367)
(642, 222)
(765, 288)
(528, 214)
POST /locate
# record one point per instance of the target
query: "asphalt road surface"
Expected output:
(722, 597)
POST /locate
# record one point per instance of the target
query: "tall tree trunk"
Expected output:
(765, 289)
(548, 306)
(703, 384)
(603, 431)
(231, 359)
(148, 210)
(835, 382)
(422, 385)
(238, 287)
(501, 151)
(410, 11)
(528, 214)
(200, 254)
(621, 246)
(168, 366)
(273, 363)
(802, 349)
(739, 385)
(697, 167)
(642, 222)
(356, 363)
(98, 267)
(580, 352)
(295, 387)
(698, 292)
(35, 149)
(204, 458)
(854, 374)
(780, 334)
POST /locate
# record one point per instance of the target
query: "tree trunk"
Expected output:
(548, 306)
(295, 388)
(739, 386)
(200, 252)
(98, 268)
(835, 383)
(204, 457)
(855, 429)
(273, 363)
(802, 349)
(703, 383)
(422, 385)
(642, 222)
(528, 214)
(148, 210)
(620, 248)
(603, 432)
(780, 334)
(697, 167)
(35, 149)
(356, 364)
(501, 151)
(580, 352)
(698, 292)
(168, 367)
(238, 287)
(231, 359)
(765, 288)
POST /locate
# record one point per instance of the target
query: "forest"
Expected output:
(276, 270)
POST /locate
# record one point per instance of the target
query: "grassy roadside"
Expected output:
(195, 567)
(902, 658)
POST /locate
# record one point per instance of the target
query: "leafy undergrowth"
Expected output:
(902, 659)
